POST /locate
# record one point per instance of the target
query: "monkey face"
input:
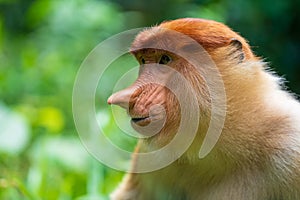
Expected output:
(148, 100)
(167, 73)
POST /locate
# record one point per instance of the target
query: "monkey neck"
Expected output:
(259, 117)
(253, 121)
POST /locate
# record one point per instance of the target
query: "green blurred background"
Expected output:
(43, 43)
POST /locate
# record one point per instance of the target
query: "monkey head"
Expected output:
(166, 53)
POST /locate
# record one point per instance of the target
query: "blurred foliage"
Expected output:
(42, 44)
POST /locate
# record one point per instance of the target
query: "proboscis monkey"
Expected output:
(256, 157)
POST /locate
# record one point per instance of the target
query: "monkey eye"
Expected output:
(142, 60)
(164, 59)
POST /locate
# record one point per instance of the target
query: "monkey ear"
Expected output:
(237, 52)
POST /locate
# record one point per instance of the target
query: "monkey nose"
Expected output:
(121, 98)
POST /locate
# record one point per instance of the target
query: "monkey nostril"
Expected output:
(109, 100)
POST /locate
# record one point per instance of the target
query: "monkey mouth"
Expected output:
(141, 120)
